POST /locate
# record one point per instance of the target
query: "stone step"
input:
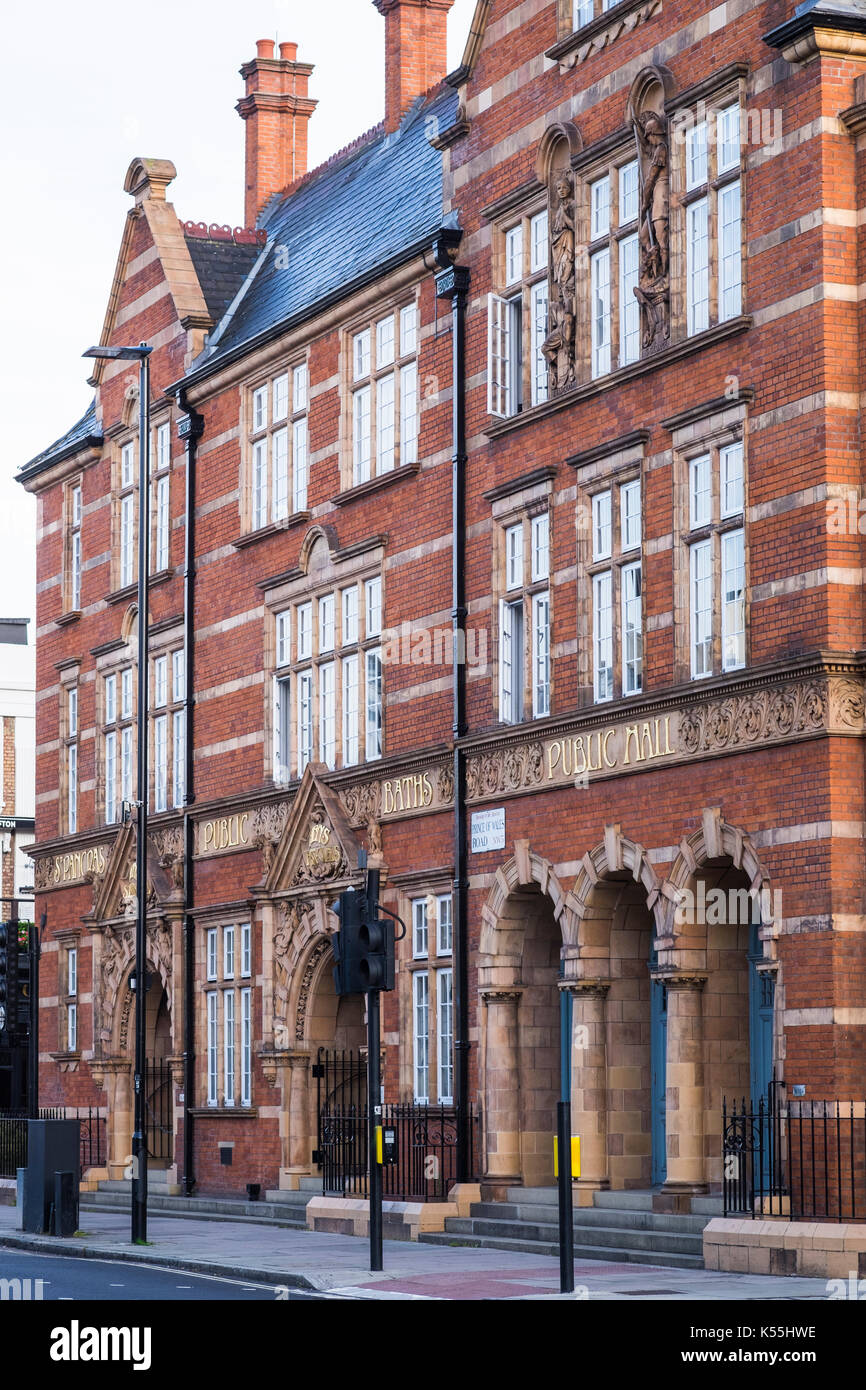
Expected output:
(624, 1201)
(611, 1254)
(592, 1216)
(667, 1242)
(206, 1208)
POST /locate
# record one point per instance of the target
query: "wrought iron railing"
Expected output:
(13, 1136)
(424, 1147)
(158, 1109)
(804, 1159)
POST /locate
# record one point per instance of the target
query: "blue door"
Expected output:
(658, 1054)
(761, 996)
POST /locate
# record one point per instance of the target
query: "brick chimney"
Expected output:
(415, 54)
(276, 110)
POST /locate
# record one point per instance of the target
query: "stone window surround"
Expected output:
(223, 917)
(602, 470)
(519, 501)
(264, 375)
(67, 938)
(308, 583)
(721, 423)
(70, 527)
(372, 312)
(433, 885)
(163, 641)
(520, 209)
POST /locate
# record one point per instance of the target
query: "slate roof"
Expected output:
(84, 431)
(342, 223)
(221, 267)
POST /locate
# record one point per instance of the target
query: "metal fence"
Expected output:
(13, 1136)
(424, 1145)
(805, 1159)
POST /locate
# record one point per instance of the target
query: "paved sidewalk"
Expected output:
(338, 1265)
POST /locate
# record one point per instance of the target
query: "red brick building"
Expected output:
(604, 278)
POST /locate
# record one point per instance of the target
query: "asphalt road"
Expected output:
(65, 1278)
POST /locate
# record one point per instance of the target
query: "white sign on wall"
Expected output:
(488, 830)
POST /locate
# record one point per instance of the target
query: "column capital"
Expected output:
(587, 989)
(502, 995)
(685, 981)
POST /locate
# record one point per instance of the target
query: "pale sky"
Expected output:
(86, 89)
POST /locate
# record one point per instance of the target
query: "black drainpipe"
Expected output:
(189, 428)
(452, 282)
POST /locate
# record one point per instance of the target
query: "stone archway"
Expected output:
(525, 921)
(718, 909)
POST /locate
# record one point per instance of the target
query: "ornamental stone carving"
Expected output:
(168, 844)
(362, 802)
(558, 346)
(269, 822)
(320, 950)
(503, 770)
(847, 704)
(288, 922)
(653, 288)
(322, 857)
(757, 717)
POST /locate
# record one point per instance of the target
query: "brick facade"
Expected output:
(746, 779)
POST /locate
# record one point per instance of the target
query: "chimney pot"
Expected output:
(276, 110)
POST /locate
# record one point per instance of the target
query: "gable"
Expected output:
(318, 847)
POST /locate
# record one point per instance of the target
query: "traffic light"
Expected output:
(4, 974)
(20, 1010)
(376, 954)
(349, 908)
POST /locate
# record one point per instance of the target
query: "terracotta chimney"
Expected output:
(276, 109)
(415, 55)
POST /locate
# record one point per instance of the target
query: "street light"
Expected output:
(140, 355)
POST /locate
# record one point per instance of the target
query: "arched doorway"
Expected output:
(158, 1100)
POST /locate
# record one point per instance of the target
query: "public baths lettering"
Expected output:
(407, 793)
(602, 749)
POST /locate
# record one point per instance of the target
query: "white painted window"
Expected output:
(629, 193)
(126, 693)
(701, 608)
(385, 423)
(246, 950)
(696, 155)
(160, 681)
(374, 704)
(602, 530)
(629, 502)
(284, 637)
(385, 341)
(72, 1028)
(731, 479)
(599, 270)
(632, 629)
(361, 434)
(514, 254)
(408, 329)
(421, 1036)
(177, 675)
(350, 710)
(304, 615)
(539, 383)
(733, 601)
(700, 491)
(211, 942)
(373, 600)
(504, 355)
(72, 789)
(514, 557)
(629, 309)
(511, 662)
(110, 699)
(350, 615)
(72, 712)
(160, 763)
(229, 952)
(540, 565)
(212, 1046)
(538, 254)
(75, 549)
(246, 1046)
(328, 714)
(229, 1047)
(540, 655)
(583, 13)
(280, 397)
(280, 459)
(602, 630)
(178, 756)
(444, 931)
(127, 539)
(305, 719)
(72, 970)
(326, 623)
(361, 354)
(420, 945)
(409, 413)
(599, 201)
(728, 138)
(163, 497)
(385, 414)
(697, 267)
(111, 777)
(126, 763)
(730, 252)
(445, 1035)
(260, 408)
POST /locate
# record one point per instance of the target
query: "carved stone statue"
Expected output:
(558, 346)
(288, 922)
(653, 287)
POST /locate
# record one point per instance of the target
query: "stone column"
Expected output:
(684, 1086)
(117, 1082)
(299, 1109)
(589, 1083)
(502, 1086)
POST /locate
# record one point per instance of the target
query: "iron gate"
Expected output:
(159, 1128)
(341, 1104)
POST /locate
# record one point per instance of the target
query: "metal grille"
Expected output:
(158, 1109)
(13, 1136)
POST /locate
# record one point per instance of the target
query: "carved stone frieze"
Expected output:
(504, 770)
(269, 822)
(756, 717)
(310, 968)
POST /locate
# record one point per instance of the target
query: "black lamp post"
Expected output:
(141, 355)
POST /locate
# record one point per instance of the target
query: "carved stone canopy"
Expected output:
(318, 846)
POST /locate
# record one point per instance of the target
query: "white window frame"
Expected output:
(212, 1044)
(229, 1056)
(421, 1037)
